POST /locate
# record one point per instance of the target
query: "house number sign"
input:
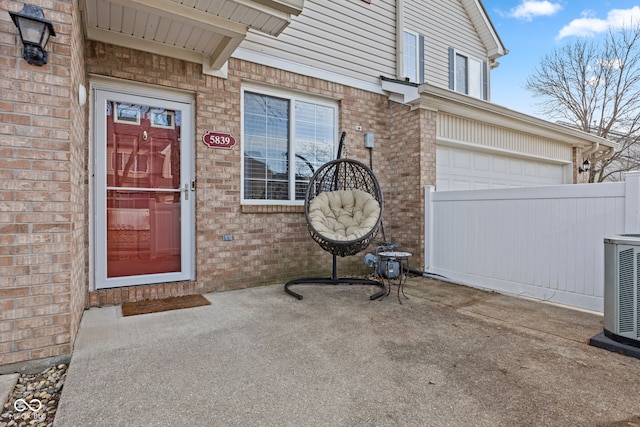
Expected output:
(219, 140)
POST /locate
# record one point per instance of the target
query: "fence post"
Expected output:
(428, 226)
(632, 203)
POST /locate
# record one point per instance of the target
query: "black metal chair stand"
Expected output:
(334, 280)
(350, 176)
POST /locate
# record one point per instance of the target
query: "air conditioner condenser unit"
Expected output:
(621, 289)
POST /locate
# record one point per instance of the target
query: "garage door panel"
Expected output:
(515, 167)
(461, 160)
(531, 170)
(482, 163)
(499, 166)
(460, 169)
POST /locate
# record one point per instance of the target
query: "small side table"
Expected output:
(402, 258)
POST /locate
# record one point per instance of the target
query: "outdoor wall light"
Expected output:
(35, 31)
(586, 165)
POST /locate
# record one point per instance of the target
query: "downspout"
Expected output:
(399, 39)
(595, 148)
(606, 155)
(591, 150)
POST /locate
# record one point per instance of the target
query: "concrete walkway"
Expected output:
(7, 384)
(449, 356)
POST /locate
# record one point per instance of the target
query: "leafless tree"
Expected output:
(595, 86)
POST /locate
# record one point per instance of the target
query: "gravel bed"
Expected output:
(34, 400)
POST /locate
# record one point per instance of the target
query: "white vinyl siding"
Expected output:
(452, 28)
(347, 38)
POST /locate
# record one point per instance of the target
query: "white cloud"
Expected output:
(529, 9)
(614, 63)
(594, 81)
(588, 25)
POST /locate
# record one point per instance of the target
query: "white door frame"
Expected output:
(101, 89)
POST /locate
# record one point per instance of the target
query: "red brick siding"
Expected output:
(42, 188)
(79, 271)
(44, 183)
(270, 244)
(413, 158)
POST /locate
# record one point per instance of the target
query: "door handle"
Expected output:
(186, 191)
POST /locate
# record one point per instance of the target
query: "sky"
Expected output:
(531, 29)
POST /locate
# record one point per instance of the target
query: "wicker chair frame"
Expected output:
(341, 174)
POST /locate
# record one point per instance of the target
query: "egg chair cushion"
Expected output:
(344, 215)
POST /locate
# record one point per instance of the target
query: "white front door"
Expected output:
(143, 189)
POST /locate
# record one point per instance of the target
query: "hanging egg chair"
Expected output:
(343, 210)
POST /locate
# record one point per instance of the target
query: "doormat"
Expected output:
(164, 304)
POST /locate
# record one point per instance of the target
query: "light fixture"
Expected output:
(586, 165)
(35, 31)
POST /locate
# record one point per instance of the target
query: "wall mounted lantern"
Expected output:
(586, 165)
(35, 31)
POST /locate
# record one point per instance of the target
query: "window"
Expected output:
(285, 139)
(467, 75)
(413, 57)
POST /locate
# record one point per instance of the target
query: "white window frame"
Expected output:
(292, 97)
(479, 82)
(406, 58)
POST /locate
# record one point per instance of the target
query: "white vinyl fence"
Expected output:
(545, 243)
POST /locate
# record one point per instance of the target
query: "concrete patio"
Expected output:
(449, 356)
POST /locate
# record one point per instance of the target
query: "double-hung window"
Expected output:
(413, 57)
(286, 137)
(467, 75)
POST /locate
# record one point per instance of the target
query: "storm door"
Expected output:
(144, 190)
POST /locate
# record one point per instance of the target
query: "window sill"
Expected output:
(272, 208)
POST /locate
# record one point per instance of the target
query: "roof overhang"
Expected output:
(439, 99)
(202, 31)
(487, 32)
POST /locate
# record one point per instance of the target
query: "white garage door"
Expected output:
(460, 169)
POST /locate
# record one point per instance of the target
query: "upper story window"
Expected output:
(467, 75)
(286, 137)
(413, 57)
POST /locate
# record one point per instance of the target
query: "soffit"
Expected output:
(204, 31)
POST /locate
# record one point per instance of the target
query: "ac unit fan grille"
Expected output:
(638, 297)
(627, 292)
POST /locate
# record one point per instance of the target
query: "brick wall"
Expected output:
(413, 135)
(79, 269)
(44, 233)
(270, 244)
(42, 268)
(577, 157)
